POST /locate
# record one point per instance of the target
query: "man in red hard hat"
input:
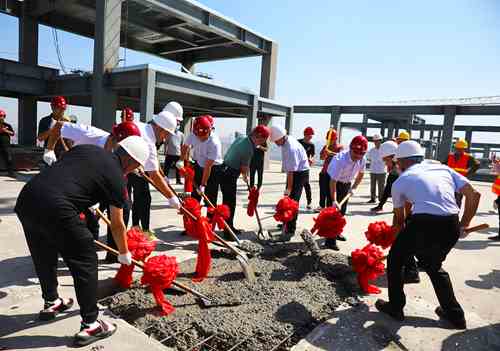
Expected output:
(311, 152)
(237, 161)
(344, 168)
(206, 151)
(6, 132)
(127, 115)
(58, 105)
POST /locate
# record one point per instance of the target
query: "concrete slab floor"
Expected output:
(472, 266)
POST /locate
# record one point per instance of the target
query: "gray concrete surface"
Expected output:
(472, 265)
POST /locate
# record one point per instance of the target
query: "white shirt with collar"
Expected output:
(148, 134)
(82, 134)
(293, 156)
(210, 149)
(377, 165)
(343, 169)
(430, 188)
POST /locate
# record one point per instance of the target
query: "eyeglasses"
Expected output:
(361, 153)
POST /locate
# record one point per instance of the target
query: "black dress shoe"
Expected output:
(496, 238)
(459, 323)
(385, 307)
(411, 278)
(376, 209)
(331, 244)
(372, 201)
(341, 238)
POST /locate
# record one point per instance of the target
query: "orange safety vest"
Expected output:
(460, 165)
(495, 187)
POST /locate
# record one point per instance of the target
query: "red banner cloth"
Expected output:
(219, 214)
(368, 264)
(286, 210)
(381, 234)
(330, 223)
(188, 173)
(205, 234)
(159, 273)
(253, 200)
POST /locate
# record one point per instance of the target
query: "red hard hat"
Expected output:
(262, 131)
(359, 144)
(128, 114)
(124, 130)
(2, 113)
(58, 102)
(309, 131)
(202, 125)
(210, 118)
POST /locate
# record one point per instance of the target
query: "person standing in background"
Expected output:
(6, 132)
(173, 153)
(257, 165)
(496, 190)
(58, 106)
(377, 170)
(310, 152)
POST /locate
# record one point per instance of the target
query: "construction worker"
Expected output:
(127, 115)
(431, 230)
(49, 211)
(402, 137)
(296, 165)
(173, 147)
(310, 152)
(377, 169)
(495, 187)
(237, 161)
(206, 150)
(58, 105)
(6, 132)
(330, 149)
(257, 165)
(344, 168)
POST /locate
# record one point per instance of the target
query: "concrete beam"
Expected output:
(468, 136)
(28, 54)
(252, 115)
(268, 72)
(364, 129)
(106, 57)
(148, 86)
(335, 117)
(448, 126)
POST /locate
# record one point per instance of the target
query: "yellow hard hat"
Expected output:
(461, 144)
(404, 135)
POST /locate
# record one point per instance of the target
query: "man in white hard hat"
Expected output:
(173, 147)
(50, 212)
(296, 165)
(377, 169)
(431, 230)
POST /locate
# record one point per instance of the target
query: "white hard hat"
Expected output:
(409, 148)
(166, 120)
(388, 148)
(175, 108)
(376, 137)
(277, 133)
(136, 147)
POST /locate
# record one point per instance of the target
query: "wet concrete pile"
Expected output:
(294, 292)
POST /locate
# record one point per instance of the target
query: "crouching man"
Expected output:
(49, 211)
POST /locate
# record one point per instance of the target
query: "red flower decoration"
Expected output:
(82, 216)
(368, 264)
(159, 273)
(253, 199)
(205, 235)
(286, 210)
(329, 224)
(188, 173)
(219, 214)
(381, 234)
(140, 248)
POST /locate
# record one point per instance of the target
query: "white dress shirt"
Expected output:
(430, 188)
(82, 134)
(293, 156)
(148, 134)
(377, 165)
(343, 169)
(210, 149)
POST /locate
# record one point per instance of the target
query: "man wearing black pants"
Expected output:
(257, 165)
(310, 152)
(6, 132)
(430, 232)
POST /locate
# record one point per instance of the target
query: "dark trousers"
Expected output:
(109, 234)
(6, 155)
(74, 242)
(257, 166)
(141, 201)
(228, 183)
(170, 161)
(391, 178)
(212, 187)
(325, 199)
(429, 238)
(299, 180)
(498, 209)
(92, 223)
(307, 188)
(342, 191)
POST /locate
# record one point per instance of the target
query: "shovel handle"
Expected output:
(477, 228)
(344, 200)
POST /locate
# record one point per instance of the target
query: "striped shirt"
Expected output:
(343, 169)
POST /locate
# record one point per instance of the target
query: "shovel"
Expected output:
(260, 233)
(204, 300)
(240, 256)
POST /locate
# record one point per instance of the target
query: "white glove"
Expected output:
(462, 233)
(245, 177)
(174, 202)
(201, 189)
(166, 180)
(352, 191)
(179, 164)
(49, 157)
(125, 258)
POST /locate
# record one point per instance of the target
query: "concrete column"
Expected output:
(448, 126)
(28, 54)
(468, 137)
(252, 114)
(147, 103)
(106, 56)
(268, 72)
(289, 121)
(486, 152)
(189, 66)
(422, 134)
(382, 131)
(431, 136)
(390, 130)
(364, 129)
